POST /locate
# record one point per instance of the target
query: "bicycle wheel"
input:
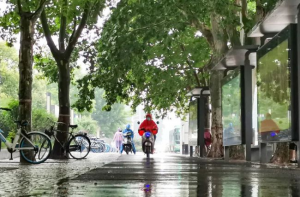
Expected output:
(102, 148)
(79, 146)
(41, 145)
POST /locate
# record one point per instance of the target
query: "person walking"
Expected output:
(118, 139)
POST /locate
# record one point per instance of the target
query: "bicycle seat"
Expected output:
(73, 126)
(22, 123)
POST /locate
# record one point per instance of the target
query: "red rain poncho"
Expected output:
(148, 125)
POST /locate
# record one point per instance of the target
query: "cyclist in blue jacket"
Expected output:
(125, 131)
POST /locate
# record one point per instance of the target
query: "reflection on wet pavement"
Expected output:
(170, 175)
(134, 175)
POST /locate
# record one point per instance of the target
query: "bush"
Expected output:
(40, 119)
(88, 125)
(7, 118)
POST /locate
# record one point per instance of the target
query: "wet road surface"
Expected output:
(164, 175)
(171, 175)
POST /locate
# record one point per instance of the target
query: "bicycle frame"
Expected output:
(12, 146)
(70, 135)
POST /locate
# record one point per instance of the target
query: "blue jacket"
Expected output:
(125, 131)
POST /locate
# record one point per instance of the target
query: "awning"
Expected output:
(198, 92)
(284, 13)
(235, 57)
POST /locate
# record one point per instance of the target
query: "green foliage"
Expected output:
(10, 20)
(274, 85)
(10, 136)
(268, 5)
(46, 65)
(231, 103)
(109, 121)
(9, 79)
(148, 56)
(7, 118)
(41, 119)
(87, 124)
(8, 73)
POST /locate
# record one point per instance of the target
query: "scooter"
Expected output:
(148, 143)
(127, 143)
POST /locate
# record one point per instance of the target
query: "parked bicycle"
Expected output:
(77, 146)
(35, 147)
(97, 145)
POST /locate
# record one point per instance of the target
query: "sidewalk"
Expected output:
(241, 162)
(4, 154)
(43, 179)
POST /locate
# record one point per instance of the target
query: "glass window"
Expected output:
(274, 92)
(231, 109)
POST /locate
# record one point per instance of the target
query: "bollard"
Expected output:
(191, 151)
(186, 149)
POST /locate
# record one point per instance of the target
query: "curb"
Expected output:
(243, 162)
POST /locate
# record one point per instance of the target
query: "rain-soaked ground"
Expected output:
(43, 179)
(171, 175)
(134, 175)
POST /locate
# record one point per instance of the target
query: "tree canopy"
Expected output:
(154, 58)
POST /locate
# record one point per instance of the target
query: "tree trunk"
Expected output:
(237, 152)
(64, 108)
(220, 48)
(281, 154)
(25, 70)
(207, 113)
(216, 127)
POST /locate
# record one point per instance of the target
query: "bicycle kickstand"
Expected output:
(11, 157)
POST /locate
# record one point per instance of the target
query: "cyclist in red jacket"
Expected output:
(148, 125)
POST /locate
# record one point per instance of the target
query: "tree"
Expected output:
(26, 14)
(148, 53)
(8, 74)
(67, 20)
(9, 79)
(87, 124)
(109, 121)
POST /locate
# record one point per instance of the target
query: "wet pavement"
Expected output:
(43, 179)
(171, 175)
(164, 175)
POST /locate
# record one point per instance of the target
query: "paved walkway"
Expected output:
(171, 176)
(166, 175)
(4, 154)
(43, 179)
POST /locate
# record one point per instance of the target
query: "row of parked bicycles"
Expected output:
(36, 147)
(99, 146)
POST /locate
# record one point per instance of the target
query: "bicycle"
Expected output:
(35, 147)
(78, 146)
(97, 145)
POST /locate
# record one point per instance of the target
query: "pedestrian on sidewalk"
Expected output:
(118, 139)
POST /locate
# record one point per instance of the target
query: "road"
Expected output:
(173, 175)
